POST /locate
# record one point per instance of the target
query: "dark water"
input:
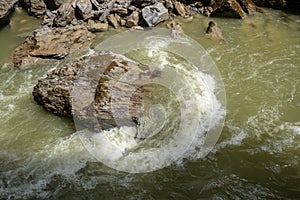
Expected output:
(256, 157)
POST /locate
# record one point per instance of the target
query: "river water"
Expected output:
(256, 157)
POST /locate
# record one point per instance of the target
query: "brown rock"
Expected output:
(64, 15)
(96, 85)
(35, 7)
(113, 20)
(84, 8)
(249, 7)
(228, 8)
(213, 32)
(133, 19)
(97, 26)
(6, 8)
(179, 7)
(51, 43)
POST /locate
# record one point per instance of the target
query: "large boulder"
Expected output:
(51, 43)
(155, 14)
(228, 8)
(249, 7)
(6, 7)
(91, 89)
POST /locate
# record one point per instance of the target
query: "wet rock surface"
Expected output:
(6, 8)
(51, 43)
(95, 84)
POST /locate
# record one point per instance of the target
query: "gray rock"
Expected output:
(155, 14)
(6, 8)
(51, 43)
(94, 81)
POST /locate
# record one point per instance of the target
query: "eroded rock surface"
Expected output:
(6, 7)
(52, 43)
(96, 83)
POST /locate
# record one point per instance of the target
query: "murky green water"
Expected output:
(257, 156)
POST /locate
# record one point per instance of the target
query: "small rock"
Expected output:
(169, 5)
(97, 26)
(132, 19)
(139, 28)
(214, 32)
(155, 14)
(180, 8)
(65, 14)
(113, 20)
(120, 11)
(85, 8)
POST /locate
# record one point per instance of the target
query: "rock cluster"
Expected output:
(130, 13)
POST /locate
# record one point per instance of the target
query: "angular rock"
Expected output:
(97, 26)
(101, 98)
(155, 14)
(133, 19)
(113, 19)
(179, 7)
(51, 43)
(84, 8)
(249, 7)
(6, 8)
(169, 5)
(121, 11)
(65, 14)
(35, 7)
(228, 8)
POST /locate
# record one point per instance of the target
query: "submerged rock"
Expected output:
(6, 7)
(96, 85)
(213, 32)
(51, 43)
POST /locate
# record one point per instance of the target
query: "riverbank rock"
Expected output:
(99, 94)
(51, 43)
(155, 14)
(6, 8)
(34, 7)
(228, 8)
